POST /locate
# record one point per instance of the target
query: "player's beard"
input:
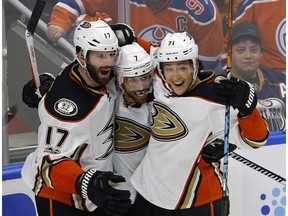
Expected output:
(139, 97)
(101, 75)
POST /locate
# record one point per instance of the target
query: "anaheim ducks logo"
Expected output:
(130, 135)
(85, 25)
(167, 125)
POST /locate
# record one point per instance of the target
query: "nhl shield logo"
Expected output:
(66, 107)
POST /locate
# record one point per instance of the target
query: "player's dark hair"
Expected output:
(250, 38)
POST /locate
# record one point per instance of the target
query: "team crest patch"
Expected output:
(85, 25)
(66, 107)
(130, 135)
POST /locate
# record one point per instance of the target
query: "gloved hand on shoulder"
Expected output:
(124, 33)
(214, 151)
(29, 95)
(95, 186)
(238, 94)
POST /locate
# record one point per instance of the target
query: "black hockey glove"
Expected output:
(238, 94)
(29, 96)
(94, 185)
(214, 151)
(124, 33)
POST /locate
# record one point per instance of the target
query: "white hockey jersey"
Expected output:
(132, 133)
(75, 134)
(172, 174)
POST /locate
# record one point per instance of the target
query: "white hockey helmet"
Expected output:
(133, 61)
(95, 36)
(178, 47)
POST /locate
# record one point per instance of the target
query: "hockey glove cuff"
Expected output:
(214, 151)
(238, 94)
(95, 185)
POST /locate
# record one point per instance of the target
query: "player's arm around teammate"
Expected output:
(188, 113)
(71, 170)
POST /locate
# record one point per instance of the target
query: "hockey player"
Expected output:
(151, 21)
(133, 112)
(188, 113)
(270, 85)
(71, 170)
(133, 107)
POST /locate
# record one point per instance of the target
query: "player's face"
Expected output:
(246, 56)
(99, 65)
(179, 75)
(138, 87)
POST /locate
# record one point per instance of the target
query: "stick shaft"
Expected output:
(225, 206)
(226, 150)
(31, 26)
(35, 16)
(32, 58)
(227, 108)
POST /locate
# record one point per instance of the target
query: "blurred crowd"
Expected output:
(207, 22)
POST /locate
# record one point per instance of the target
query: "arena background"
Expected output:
(257, 187)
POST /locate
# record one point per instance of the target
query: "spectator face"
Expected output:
(179, 76)
(99, 65)
(246, 56)
(138, 87)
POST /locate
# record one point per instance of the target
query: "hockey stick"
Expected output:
(258, 168)
(225, 202)
(31, 26)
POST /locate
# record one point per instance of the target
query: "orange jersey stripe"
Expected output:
(253, 127)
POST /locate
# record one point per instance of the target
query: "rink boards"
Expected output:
(255, 188)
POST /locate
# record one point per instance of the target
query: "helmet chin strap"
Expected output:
(196, 71)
